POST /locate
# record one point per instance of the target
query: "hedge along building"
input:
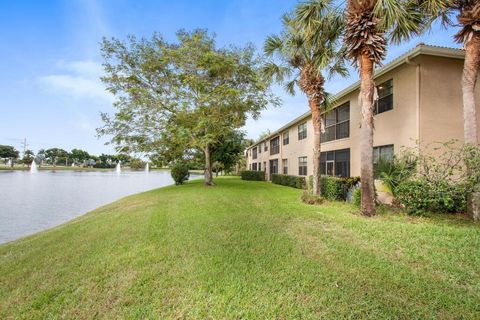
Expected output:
(419, 101)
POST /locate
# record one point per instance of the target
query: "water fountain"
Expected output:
(33, 167)
(9, 163)
(73, 164)
(118, 169)
(147, 168)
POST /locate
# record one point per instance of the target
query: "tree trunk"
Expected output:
(469, 80)
(317, 128)
(208, 180)
(367, 89)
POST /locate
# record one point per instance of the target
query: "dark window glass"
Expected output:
(385, 152)
(335, 163)
(302, 131)
(302, 166)
(259, 166)
(337, 123)
(265, 146)
(274, 166)
(285, 166)
(254, 166)
(286, 138)
(385, 97)
(254, 153)
(275, 145)
(343, 130)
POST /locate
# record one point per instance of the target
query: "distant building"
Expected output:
(419, 100)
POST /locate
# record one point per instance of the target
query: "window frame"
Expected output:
(302, 166)
(302, 133)
(389, 82)
(286, 140)
(254, 153)
(285, 166)
(275, 148)
(331, 156)
(379, 148)
(334, 126)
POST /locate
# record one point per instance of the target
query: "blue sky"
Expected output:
(50, 64)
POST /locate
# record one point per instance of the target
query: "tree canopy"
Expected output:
(175, 97)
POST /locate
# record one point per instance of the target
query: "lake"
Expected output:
(34, 202)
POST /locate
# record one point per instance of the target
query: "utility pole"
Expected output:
(24, 146)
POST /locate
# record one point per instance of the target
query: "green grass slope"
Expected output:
(241, 250)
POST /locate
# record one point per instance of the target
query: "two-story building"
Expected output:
(419, 100)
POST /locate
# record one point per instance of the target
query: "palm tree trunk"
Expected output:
(317, 127)
(367, 89)
(469, 80)
(208, 181)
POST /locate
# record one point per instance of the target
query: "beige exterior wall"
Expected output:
(427, 106)
(441, 111)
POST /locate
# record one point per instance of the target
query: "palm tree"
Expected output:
(369, 24)
(305, 54)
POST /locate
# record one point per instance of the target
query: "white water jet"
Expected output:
(118, 169)
(9, 163)
(33, 167)
(147, 168)
(73, 164)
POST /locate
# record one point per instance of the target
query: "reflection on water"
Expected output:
(33, 202)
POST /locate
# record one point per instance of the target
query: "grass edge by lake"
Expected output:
(241, 249)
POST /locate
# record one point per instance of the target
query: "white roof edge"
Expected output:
(420, 49)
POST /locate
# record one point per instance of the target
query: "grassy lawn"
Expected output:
(242, 250)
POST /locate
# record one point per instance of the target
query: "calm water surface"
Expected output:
(34, 202)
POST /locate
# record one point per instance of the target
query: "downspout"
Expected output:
(417, 79)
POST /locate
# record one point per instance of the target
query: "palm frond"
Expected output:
(273, 44)
(289, 87)
(329, 102)
(277, 72)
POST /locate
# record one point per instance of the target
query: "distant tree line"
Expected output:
(60, 157)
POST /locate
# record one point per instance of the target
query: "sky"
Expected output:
(50, 62)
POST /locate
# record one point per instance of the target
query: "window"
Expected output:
(337, 123)
(335, 163)
(264, 166)
(259, 148)
(254, 166)
(275, 146)
(385, 97)
(302, 131)
(286, 138)
(250, 167)
(265, 146)
(285, 166)
(259, 166)
(254, 153)
(273, 166)
(384, 152)
(302, 166)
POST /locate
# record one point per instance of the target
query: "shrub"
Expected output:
(394, 172)
(289, 181)
(335, 188)
(419, 196)
(309, 198)
(357, 197)
(253, 175)
(180, 173)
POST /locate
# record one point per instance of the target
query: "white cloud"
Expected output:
(77, 80)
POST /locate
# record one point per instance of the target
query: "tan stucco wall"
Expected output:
(441, 111)
(433, 115)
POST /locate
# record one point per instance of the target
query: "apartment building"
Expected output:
(419, 100)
